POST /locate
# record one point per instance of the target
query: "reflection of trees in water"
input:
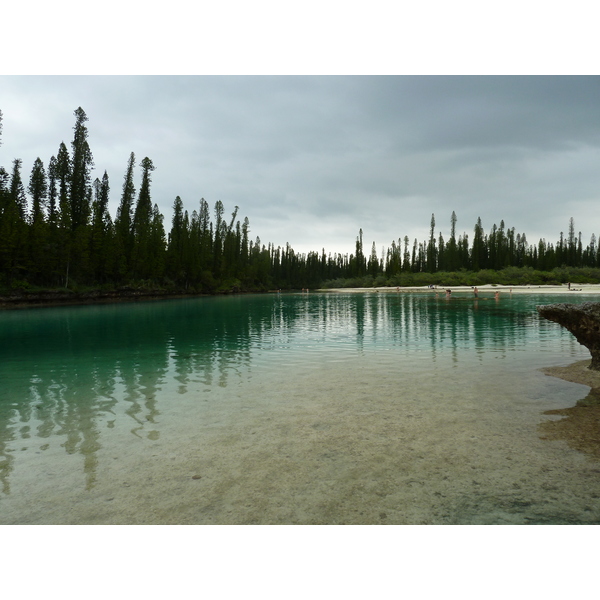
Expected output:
(7, 459)
(72, 372)
(86, 361)
(424, 322)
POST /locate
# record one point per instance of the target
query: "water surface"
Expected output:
(291, 408)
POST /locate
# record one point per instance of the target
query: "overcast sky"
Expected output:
(312, 159)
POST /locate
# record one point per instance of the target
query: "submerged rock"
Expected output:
(582, 320)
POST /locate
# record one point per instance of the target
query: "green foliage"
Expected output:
(68, 239)
(507, 276)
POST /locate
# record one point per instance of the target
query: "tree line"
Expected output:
(56, 231)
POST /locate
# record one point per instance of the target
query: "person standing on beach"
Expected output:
(476, 292)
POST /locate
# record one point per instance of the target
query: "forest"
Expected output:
(56, 232)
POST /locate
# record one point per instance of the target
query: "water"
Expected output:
(302, 408)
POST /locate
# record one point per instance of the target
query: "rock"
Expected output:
(582, 320)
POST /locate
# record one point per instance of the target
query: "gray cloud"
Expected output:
(310, 160)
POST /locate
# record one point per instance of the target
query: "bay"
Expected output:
(312, 408)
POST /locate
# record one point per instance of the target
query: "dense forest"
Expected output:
(56, 232)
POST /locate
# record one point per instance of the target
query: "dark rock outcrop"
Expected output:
(582, 320)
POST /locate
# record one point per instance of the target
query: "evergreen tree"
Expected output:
(244, 246)
(142, 219)
(406, 255)
(478, 253)
(123, 222)
(61, 243)
(82, 163)
(38, 189)
(13, 227)
(52, 210)
(218, 240)
(373, 264)
(101, 240)
(571, 244)
(441, 258)
(178, 238)
(592, 252)
(451, 253)
(414, 266)
(360, 262)
(431, 249)
(206, 236)
(17, 190)
(63, 176)
(157, 245)
(38, 230)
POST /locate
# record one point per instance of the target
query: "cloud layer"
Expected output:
(311, 160)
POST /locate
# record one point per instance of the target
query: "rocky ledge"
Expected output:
(582, 320)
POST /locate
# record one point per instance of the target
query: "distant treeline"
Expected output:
(56, 231)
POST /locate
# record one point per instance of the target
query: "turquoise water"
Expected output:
(291, 408)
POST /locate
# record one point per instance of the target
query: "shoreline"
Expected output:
(576, 289)
(577, 372)
(49, 298)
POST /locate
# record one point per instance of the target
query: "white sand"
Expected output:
(576, 289)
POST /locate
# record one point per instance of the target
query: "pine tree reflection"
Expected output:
(77, 377)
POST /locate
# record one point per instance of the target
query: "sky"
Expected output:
(311, 160)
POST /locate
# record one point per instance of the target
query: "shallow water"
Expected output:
(294, 408)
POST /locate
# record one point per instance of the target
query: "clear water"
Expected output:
(302, 408)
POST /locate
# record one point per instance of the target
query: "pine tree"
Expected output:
(571, 244)
(218, 240)
(177, 243)
(62, 237)
(373, 264)
(157, 245)
(39, 258)
(452, 251)
(17, 190)
(431, 249)
(63, 176)
(406, 255)
(13, 227)
(101, 251)
(38, 189)
(478, 255)
(205, 239)
(123, 222)
(52, 210)
(82, 163)
(142, 218)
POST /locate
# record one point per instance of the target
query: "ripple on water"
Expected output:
(316, 408)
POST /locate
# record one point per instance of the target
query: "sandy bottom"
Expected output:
(344, 445)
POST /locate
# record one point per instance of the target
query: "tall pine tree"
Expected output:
(142, 219)
(82, 162)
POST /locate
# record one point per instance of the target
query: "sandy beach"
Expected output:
(488, 289)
